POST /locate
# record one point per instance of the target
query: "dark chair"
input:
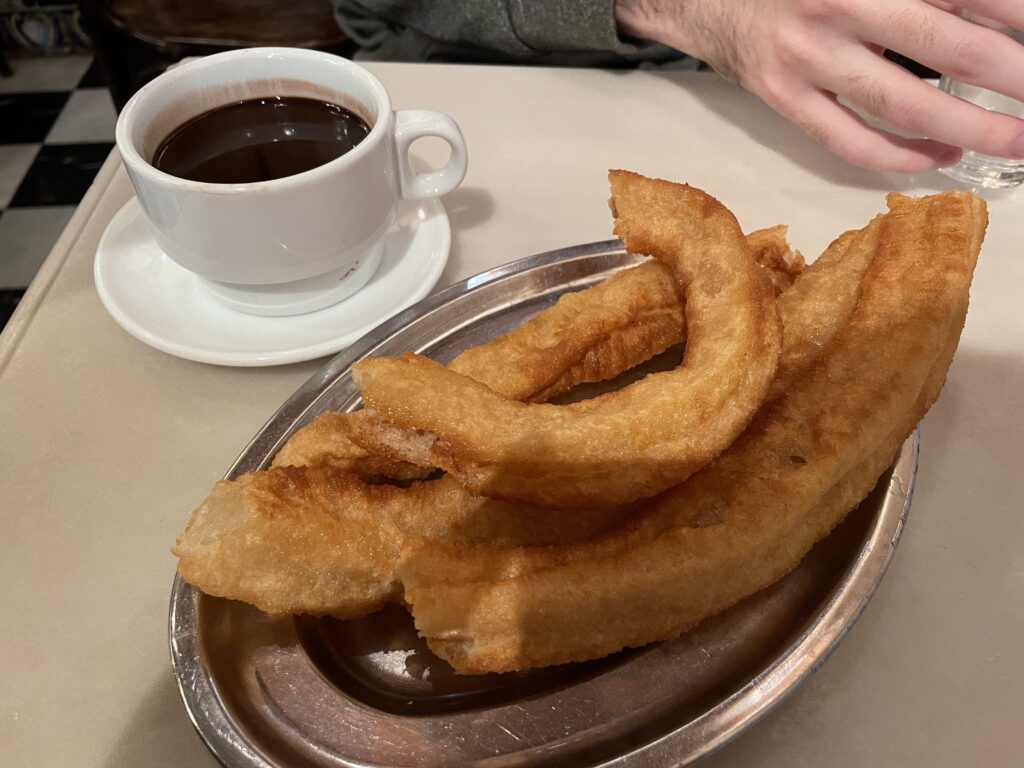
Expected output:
(135, 40)
(5, 66)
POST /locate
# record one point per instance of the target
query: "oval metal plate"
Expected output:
(271, 691)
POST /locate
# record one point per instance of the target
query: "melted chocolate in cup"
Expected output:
(259, 140)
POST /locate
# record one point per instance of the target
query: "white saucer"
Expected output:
(166, 306)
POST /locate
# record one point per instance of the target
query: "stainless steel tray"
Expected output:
(273, 691)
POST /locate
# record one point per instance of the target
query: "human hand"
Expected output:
(802, 56)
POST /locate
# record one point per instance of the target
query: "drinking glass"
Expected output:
(975, 168)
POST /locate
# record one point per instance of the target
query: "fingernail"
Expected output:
(952, 157)
(1017, 147)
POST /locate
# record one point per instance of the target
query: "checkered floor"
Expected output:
(56, 129)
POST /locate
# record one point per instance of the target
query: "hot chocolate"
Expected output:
(259, 140)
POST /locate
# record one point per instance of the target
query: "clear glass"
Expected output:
(975, 168)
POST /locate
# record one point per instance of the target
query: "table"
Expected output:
(106, 445)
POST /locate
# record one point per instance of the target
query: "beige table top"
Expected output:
(106, 444)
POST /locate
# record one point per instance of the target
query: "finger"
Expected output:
(946, 43)
(900, 99)
(845, 133)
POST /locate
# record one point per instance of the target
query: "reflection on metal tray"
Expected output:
(274, 691)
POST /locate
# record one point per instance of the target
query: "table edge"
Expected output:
(12, 334)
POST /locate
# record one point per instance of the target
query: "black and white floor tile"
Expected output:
(56, 129)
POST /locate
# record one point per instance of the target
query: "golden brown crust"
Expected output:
(804, 461)
(324, 442)
(771, 250)
(232, 549)
(623, 445)
(488, 588)
(585, 336)
(589, 336)
(277, 539)
(320, 540)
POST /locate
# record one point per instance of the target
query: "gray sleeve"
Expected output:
(567, 25)
(512, 27)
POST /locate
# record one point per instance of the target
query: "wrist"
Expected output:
(642, 19)
(704, 29)
(657, 20)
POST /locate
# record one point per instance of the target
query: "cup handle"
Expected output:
(412, 124)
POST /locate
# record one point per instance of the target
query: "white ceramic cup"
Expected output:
(298, 243)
